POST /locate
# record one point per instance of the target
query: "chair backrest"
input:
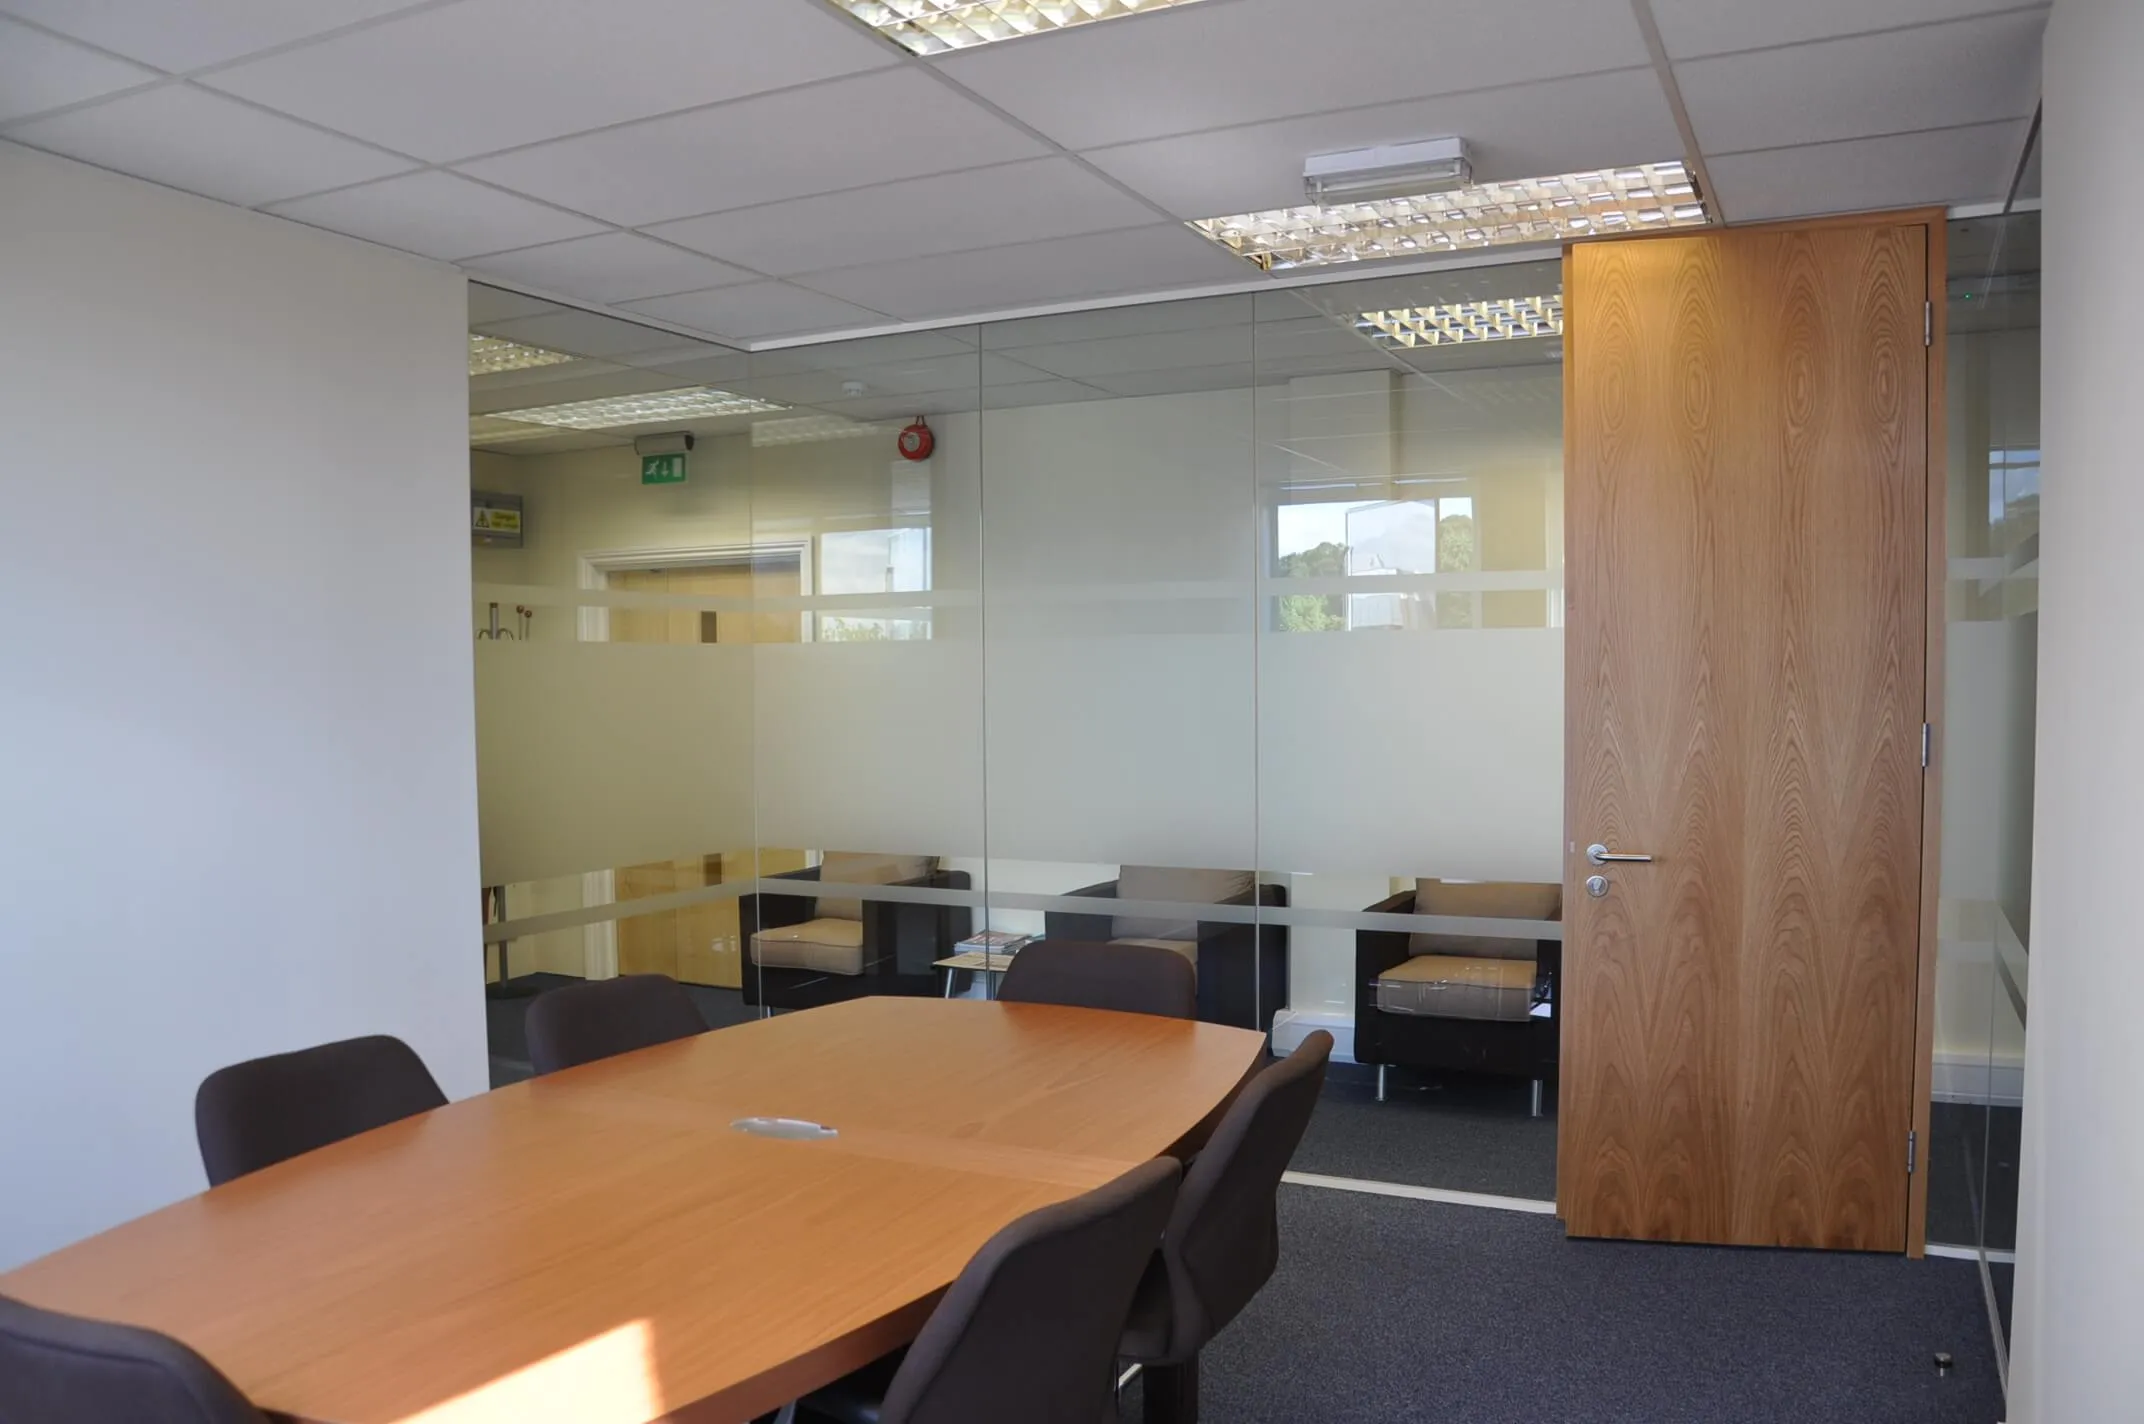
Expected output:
(257, 1113)
(1131, 978)
(603, 1018)
(1029, 1331)
(1223, 1239)
(61, 1369)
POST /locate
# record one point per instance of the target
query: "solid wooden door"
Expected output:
(1746, 685)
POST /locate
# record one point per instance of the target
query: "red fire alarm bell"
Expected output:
(917, 442)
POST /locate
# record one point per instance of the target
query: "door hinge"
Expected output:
(1928, 323)
(1912, 1151)
(1928, 745)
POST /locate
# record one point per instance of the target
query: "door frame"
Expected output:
(1934, 222)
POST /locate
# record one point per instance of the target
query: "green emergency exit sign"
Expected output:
(662, 469)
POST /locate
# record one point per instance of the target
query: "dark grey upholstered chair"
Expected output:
(1131, 978)
(1029, 1330)
(603, 1018)
(257, 1113)
(61, 1369)
(1223, 1238)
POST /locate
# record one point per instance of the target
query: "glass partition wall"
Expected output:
(1991, 652)
(1232, 626)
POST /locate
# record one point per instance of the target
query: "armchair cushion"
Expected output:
(848, 867)
(1489, 899)
(1445, 986)
(1188, 948)
(825, 946)
(1185, 886)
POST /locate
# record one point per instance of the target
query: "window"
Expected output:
(874, 561)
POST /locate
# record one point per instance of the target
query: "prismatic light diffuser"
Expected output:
(935, 26)
(1645, 197)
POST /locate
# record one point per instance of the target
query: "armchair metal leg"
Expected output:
(1171, 1393)
(1380, 1082)
(1537, 1097)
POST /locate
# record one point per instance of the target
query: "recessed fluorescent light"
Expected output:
(491, 430)
(935, 26)
(803, 428)
(1568, 205)
(1461, 323)
(697, 402)
(489, 355)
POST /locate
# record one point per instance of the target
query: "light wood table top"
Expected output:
(602, 1247)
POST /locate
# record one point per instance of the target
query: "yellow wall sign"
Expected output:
(495, 519)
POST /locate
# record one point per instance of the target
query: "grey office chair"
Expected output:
(606, 1017)
(62, 1369)
(1223, 1238)
(1029, 1330)
(1131, 978)
(257, 1113)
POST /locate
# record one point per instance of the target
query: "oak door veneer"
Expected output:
(1747, 481)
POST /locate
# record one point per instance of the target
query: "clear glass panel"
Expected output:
(615, 622)
(1991, 654)
(1410, 705)
(1119, 551)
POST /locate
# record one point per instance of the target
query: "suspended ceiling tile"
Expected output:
(758, 309)
(582, 333)
(1938, 76)
(205, 143)
(40, 72)
(481, 75)
(488, 400)
(609, 268)
(1027, 393)
(1690, 28)
(870, 129)
(1241, 61)
(948, 212)
(438, 215)
(497, 304)
(1232, 377)
(1557, 126)
(1099, 264)
(1089, 360)
(1187, 314)
(867, 351)
(187, 34)
(1963, 165)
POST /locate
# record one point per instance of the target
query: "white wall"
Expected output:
(237, 762)
(2080, 1292)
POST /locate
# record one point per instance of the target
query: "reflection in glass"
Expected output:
(1991, 654)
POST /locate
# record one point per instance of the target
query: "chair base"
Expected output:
(1170, 1393)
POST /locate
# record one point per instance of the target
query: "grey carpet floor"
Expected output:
(1460, 1132)
(1398, 1311)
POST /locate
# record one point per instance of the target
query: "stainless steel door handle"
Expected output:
(1599, 854)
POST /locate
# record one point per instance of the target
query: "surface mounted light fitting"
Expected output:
(1394, 170)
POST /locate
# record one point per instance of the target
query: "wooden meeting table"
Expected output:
(602, 1246)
